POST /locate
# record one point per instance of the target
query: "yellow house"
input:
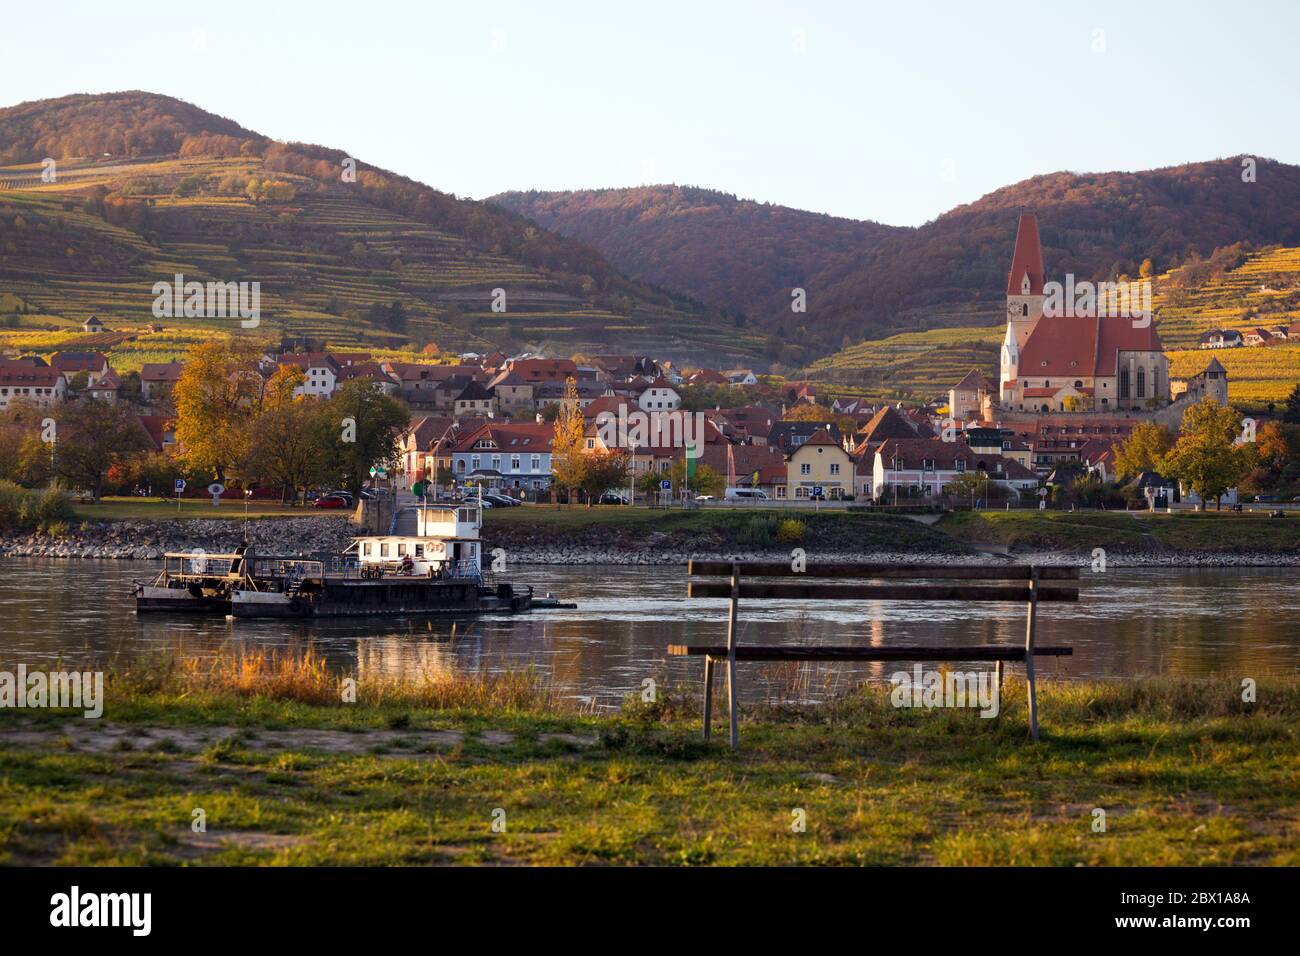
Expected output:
(820, 462)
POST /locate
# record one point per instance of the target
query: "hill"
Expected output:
(735, 254)
(946, 273)
(1235, 288)
(183, 191)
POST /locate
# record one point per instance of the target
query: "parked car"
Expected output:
(1279, 513)
(330, 501)
(733, 494)
(345, 495)
(704, 498)
(1263, 498)
(504, 501)
(612, 498)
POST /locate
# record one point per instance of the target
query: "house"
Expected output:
(1221, 339)
(819, 461)
(475, 399)
(659, 396)
(72, 364)
(538, 370)
(157, 378)
(320, 372)
(417, 448)
(505, 455)
(749, 466)
(707, 376)
(1257, 337)
(515, 397)
(92, 325)
(741, 376)
(924, 467)
(1211, 382)
(372, 372)
(557, 393)
(40, 384)
(104, 388)
(789, 435)
(966, 398)
(161, 430)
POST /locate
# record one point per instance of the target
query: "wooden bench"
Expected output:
(1006, 583)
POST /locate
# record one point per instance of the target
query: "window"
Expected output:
(537, 463)
(1123, 383)
(365, 548)
(383, 550)
(927, 464)
(475, 462)
(805, 469)
(401, 550)
(835, 468)
(514, 462)
(1142, 383)
(961, 464)
(780, 491)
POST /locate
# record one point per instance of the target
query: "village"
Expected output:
(1071, 391)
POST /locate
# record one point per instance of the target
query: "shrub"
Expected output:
(49, 512)
(13, 503)
(790, 531)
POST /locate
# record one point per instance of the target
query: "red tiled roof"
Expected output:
(1083, 346)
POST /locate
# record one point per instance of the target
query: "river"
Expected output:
(1128, 623)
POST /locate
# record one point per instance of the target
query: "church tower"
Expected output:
(1024, 294)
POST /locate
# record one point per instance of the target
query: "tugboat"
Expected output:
(434, 569)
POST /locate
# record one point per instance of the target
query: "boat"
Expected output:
(430, 562)
(194, 582)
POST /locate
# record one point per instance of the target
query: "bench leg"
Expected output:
(708, 695)
(732, 701)
(1031, 621)
(998, 668)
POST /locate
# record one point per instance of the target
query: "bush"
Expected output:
(13, 499)
(49, 512)
(790, 531)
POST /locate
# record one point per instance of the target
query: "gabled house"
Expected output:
(40, 384)
(505, 455)
(659, 396)
(157, 378)
(924, 467)
(819, 461)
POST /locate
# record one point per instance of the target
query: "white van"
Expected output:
(740, 494)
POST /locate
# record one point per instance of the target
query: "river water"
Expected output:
(1129, 622)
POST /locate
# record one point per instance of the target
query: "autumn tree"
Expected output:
(93, 436)
(217, 396)
(1143, 450)
(286, 448)
(568, 453)
(602, 470)
(1291, 413)
(357, 429)
(1207, 456)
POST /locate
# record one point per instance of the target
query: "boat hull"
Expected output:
(156, 600)
(386, 597)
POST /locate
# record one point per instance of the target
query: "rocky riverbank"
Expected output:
(149, 540)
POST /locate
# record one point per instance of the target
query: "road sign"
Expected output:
(373, 471)
(666, 485)
(179, 485)
(817, 491)
(417, 489)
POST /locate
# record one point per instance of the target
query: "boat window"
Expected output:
(383, 550)
(401, 550)
(419, 550)
(365, 547)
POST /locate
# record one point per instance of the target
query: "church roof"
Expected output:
(1028, 257)
(1083, 346)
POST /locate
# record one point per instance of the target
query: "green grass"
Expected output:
(1186, 772)
(153, 509)
(1081, 531)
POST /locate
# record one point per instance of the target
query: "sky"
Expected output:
(893, 111)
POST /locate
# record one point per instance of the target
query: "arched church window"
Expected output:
(1123, 383)
(1142, 383)
(1024, 310)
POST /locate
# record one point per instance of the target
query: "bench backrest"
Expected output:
(822, 581)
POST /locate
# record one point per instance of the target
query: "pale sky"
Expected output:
(891, 111)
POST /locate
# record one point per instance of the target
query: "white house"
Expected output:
(659, 396)
(924, 467)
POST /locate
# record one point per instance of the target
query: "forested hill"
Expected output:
(735, 254)
(865, 280)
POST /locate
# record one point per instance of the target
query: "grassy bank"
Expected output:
(152, 509)
(286, 773)
(1081, 531)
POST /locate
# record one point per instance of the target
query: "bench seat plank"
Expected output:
(878, 592)
(778, 652)
(822, 569)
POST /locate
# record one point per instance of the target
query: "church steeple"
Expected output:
(1026, 276)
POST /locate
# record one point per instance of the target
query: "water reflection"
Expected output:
(1128, 623)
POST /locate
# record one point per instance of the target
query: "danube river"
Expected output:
(1128, 623)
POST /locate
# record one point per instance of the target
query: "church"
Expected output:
(1087, 362)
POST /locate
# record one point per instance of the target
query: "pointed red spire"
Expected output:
(1028, 257)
